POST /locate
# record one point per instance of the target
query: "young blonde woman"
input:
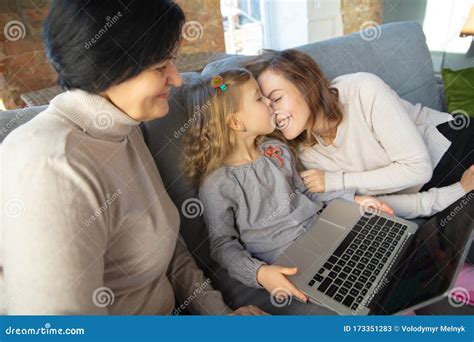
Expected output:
(255, 203)
(356, 133)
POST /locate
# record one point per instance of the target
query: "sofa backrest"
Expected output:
(11, 119)
(164, 139)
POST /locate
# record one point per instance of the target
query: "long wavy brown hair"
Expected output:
(209, 140)
(305, 74)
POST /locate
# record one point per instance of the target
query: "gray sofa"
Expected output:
(399, 56)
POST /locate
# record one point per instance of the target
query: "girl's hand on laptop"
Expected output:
(373, 204)
(314, 179)
(273, 279)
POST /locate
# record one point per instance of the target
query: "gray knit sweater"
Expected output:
(256, 210)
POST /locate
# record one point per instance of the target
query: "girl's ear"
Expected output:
(234, 123)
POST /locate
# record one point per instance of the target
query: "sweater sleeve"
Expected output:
(298, 183)
(325, 197)
(191, 286)
(425, 203)
(410, 163)
(225, 246)
(59, 268)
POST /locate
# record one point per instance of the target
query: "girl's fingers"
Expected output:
(288, 270)
(295, 292)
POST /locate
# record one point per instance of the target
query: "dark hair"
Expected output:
(99, 43)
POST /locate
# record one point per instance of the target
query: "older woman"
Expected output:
(99, 234)
(356, 133)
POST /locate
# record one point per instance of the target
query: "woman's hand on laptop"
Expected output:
(373, 204)
(467, 179)
(249, 310)
(273, 279)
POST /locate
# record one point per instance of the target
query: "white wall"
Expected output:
(292, 23)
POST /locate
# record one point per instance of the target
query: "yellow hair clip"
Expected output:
(218, 82)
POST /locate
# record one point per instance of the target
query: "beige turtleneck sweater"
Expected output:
(88, 226)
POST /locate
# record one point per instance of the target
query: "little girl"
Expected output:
(255, 203)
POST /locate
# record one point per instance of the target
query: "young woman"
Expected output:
(98, 233)
(255, 203)
(356, 133)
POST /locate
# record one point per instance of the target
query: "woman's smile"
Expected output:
(282, 119)
(164, 96)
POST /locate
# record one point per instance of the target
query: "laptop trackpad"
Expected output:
(312, 247)
(328, 234)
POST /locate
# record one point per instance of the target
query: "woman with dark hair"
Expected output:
(100, 234)
(356, 133)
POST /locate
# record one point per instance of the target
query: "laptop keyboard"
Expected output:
(350, 271)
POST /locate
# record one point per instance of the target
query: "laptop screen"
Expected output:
(429, 261)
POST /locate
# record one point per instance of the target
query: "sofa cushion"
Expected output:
(11, 119)
(396, 52)
(459, 88)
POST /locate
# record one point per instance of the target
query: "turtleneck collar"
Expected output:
(94, 114)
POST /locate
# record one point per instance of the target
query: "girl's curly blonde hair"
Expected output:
(209, 140)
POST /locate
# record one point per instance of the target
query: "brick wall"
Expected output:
(23, 66)
(204, 31)
(360, 14)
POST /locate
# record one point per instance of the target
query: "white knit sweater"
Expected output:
(384, 145)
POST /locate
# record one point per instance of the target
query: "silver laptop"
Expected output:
(359, 263)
